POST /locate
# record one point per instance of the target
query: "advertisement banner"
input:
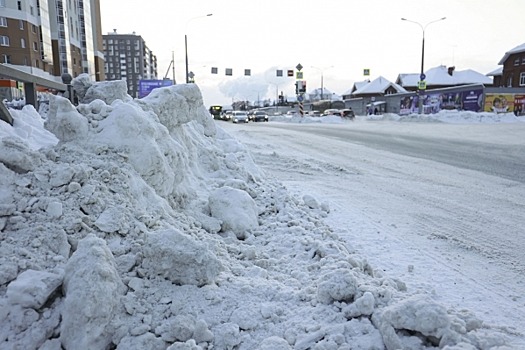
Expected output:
(472, 100)
(519, 105)
(432, 103)
(499, 103)
(451, 101)
(147, 86)
(408, 105)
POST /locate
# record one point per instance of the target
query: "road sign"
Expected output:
(422, 85)
(422, 76)
(299, 75)
(366, 71)
(300, 98)
(299, 67)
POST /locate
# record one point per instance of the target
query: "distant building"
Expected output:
(377, 87)
(128, 58)
(443, 77)
(513, 72)
(48, 38)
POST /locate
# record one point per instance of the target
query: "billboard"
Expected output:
(147, 85)
(499, 103)
(467, 100)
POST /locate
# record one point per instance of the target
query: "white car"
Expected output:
(239, 117)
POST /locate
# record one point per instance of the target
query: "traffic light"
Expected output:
(297, 88)
(301, 86)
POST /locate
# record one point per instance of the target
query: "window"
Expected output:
(2, 3)
(517, 62)
(523, 60)
(23, 43)
(21, 24)
(31, 10)
(6, 58)
(3, 22)
(4, 40)
(33, 28)
(19, 5)
(522, 79)
(35, 46)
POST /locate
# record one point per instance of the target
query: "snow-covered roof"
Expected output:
(378, 86)
(517, 49)
(495, 72)
(440, 76)
(357, 85)
(407, 79)
(316, 94)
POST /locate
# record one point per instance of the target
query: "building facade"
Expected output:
(513, 74)
(128, 58)
(51, 37)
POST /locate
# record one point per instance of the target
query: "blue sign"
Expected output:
(147, 86)
(422, 76)
(300, 98)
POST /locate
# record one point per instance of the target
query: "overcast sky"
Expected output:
(338, 37)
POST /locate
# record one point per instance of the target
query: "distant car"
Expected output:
(259, 116)
(348, 113)
(239, 117)
(226, 115)
(333, 112)
(314, 114)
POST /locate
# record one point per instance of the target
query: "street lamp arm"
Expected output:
(186, 44)
(437, 20)
(423, 28)
(194, 18)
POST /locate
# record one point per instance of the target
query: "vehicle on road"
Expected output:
(226, 115)
(216, 112)
(259, 116)
(332, 111)
(348, 113)
(239, 117)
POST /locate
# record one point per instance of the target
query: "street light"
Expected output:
(422, 74)
(322, 78)
(186, 43)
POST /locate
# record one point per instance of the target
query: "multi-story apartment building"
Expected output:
(48, 38)
(128, 58)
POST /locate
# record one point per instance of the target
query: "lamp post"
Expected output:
(422, 73)
(322, 78)
(186, 43)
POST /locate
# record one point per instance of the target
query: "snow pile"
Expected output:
(138, 224)
(443, 116)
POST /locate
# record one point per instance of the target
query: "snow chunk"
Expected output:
(93, 289)
(339, 285)
(111, 220)
(32, 288)
(179, 104)
(64, 121)
(180, 327)
(179, 258)
(235, 208)
(416, 314)
(229, 335)
(362, 306)
(274, 343)
(16, 155)
(141, 342)
(107, 91)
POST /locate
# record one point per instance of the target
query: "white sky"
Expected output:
(348, 35)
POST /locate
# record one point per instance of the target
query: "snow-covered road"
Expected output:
(441, 228)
